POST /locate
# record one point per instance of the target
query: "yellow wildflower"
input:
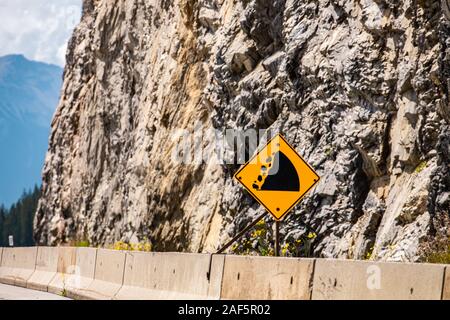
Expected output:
(311, 235)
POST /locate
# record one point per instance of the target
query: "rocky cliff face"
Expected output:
(359, 87)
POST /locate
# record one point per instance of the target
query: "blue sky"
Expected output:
(38, 29)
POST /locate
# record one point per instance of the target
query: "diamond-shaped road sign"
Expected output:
(277, 177)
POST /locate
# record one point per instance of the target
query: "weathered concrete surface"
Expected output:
(8, 292)
(171, 276)
(76, 283)
(267, 278)
(108, 278)
(65, 271)
(18, 264)
(348, 280)
(45, 271)
(89, 273)
(446, 289)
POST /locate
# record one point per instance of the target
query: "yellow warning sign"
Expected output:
(278, 177)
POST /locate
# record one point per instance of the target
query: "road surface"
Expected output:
(16, 293)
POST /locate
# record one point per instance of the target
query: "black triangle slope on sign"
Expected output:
(285, 178)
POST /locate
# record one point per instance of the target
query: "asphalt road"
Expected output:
(17, 293)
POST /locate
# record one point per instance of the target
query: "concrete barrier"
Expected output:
(108, 277)
(267, 278)
(446, 289)
(89, 273)
(66, 270)
(79, 277)
(364, 280)
(158, 276)
(17, 265)
(45, 271)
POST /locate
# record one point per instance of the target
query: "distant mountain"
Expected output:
(29, 93)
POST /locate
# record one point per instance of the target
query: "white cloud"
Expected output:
(39, 29)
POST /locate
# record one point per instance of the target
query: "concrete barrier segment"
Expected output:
(80, 276)
(446, 289)
(366, 280)
(46, 267)
(67, 271)
(267, 278)
(17, 265)
(159, 276)
(108, 277)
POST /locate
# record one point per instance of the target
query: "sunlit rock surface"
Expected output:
(360, 88)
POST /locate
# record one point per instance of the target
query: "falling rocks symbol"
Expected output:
(272, 177)
(282, 175)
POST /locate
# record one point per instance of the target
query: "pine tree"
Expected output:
(18, 220)
(2, 223)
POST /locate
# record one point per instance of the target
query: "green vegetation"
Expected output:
(437, 251)
(120, 245)
(329, 150)
(260, 241)
(82, 244)
(369, 253)
(18, 220)
(420, 167)
(143, 246)
(439, 257)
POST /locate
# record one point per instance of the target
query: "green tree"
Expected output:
(2, 223)
(18, 220)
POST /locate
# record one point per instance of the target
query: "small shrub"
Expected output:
(369, 253)
(257, 241)
(420, 167)
(329, 151)
(298, 247)
(82, 243)
(439, 257)
(437, 251)
(261, 242)
(143, 246)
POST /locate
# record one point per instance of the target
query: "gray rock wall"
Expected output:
(360, 88)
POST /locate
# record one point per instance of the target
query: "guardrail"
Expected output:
(89, 273)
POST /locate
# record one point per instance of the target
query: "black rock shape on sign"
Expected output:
(282, 175)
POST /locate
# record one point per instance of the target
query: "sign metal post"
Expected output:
(240, 234)
(277, 238)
